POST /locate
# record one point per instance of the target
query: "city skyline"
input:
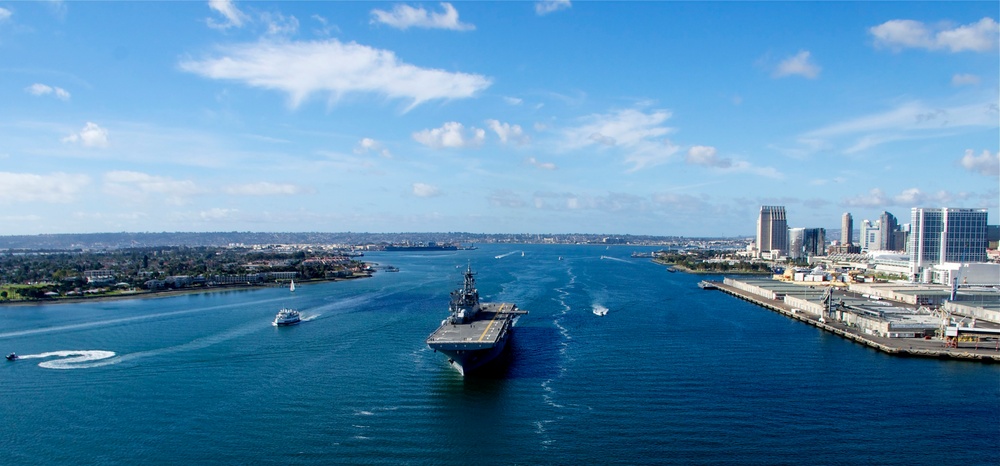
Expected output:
(648, 118)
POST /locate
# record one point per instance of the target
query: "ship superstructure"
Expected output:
(474, 333)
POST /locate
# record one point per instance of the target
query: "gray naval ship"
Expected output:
(475, 333)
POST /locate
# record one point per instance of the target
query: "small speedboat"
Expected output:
(11, 357)
(287, 317)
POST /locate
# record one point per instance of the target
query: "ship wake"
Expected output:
(501, 256)
(71, 359)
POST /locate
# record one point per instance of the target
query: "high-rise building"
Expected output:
(866, 226)
(796, 237)
(814, 242)
(772, 229)
(942, 235)
(847, 229)
(887, 237)
(870, 235)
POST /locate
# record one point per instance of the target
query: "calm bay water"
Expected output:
(672, 374)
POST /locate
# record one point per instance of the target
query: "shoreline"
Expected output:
(147, 294)
(900, 347)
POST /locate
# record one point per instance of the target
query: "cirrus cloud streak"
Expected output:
(304, 68)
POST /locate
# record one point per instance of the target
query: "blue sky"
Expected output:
(660, 118)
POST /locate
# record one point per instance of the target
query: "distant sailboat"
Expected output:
(292, 286)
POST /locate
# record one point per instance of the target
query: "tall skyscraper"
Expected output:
(940, 235)
(772, 229)
(846, 229)
(888, 226)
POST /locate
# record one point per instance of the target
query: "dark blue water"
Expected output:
(671, 375)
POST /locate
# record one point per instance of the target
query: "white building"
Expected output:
(869, 235)
(986, 274)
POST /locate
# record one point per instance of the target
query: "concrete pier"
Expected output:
(912, 347)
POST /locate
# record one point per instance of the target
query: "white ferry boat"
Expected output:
(287, 317)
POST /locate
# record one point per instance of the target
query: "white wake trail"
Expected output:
(501, 256)
(72, 359)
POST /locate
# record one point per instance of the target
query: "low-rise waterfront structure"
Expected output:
(889, 327)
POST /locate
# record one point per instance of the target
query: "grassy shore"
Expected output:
(737, 271)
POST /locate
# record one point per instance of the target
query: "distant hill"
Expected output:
(127, 240)
(70, 241)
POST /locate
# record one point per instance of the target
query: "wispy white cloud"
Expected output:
(277, 24)
(545, 7)
(909, 120)
(5, 14)
(451, 135)
(232, 16)
(679, 202)
(507, 132)
(964, 80)
(29, 187)
(543, 165)
(366, 145)
(569, 201)
(897, 34)
(799, 64)
(325, 28)
(131, 186)
(218, 213)
(405, 17)
(304, 68)
(20, 219)
(824, 181)
(513, 100)
(985, 164)
(272, 22)
(742, 166)
(506, 198)
(347, 163)
(425, 190)
(636, 134)
(44, 89)
(877, 198)
(91, 135)
(707, 156)
(625, 128)
(263, 188)
(650, 154)
(874, 198)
